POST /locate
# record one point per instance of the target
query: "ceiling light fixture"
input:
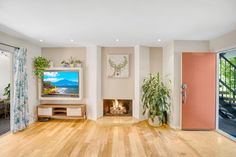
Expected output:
(72, 40)
(40, 40)
(159, 40)
(117, 40)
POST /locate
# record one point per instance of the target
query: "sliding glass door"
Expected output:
(5, 79)
(227, 93)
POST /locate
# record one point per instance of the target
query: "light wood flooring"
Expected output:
(85, 138)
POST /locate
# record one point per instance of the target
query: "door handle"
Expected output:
(184, 93)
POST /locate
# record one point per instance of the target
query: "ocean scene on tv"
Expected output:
(61, 83)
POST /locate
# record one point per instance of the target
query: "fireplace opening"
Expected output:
(117, 107)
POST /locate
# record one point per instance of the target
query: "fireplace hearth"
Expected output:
(117, 107)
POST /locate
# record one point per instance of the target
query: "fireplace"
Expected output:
(117, 107)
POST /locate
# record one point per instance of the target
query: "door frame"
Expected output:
(217, 92)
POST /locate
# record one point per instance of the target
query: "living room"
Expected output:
(87, 79)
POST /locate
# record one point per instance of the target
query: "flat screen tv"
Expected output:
(61, 84)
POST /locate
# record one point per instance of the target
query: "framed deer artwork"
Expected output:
(118, 66)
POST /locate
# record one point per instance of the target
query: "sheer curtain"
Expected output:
(20, 108)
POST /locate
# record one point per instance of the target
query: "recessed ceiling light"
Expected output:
(117, 40)
(41, 40)
(72, 40)
(159, 40)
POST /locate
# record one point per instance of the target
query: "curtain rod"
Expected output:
(9, 45)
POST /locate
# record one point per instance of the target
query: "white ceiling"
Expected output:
(101, 22)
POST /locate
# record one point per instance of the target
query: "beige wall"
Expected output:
(156, 59)
(56, 55)
(122, 87)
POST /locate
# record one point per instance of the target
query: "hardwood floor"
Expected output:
(84, 138)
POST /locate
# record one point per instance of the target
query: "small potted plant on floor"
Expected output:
(40, 64)
(156, 100)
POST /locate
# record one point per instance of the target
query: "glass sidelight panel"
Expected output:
(227, 93)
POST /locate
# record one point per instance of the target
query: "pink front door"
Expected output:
(199, 95)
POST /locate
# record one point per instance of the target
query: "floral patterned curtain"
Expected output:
(20, 109)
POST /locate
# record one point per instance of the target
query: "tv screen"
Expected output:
(60, 84)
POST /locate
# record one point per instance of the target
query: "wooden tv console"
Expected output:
(62, 111)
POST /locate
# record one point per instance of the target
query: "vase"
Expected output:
(51, 64)
(71, 65)
(79, 65)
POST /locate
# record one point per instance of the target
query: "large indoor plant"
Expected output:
(156, 99)
(40, 64)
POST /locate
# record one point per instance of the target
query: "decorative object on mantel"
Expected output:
(40, 64)
(51, 64)
(72, 63)
(156, 99)
(118, 66)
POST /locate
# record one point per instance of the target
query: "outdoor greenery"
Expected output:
(7, 91)
(40, 64)
(228, 74)
(156, 98)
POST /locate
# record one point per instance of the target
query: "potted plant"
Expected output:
(65, 63)
(156, 100)
(71, 62)
(77, 63)
(40, 64)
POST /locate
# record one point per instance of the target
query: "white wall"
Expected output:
(168, 74)
(224, 42)
(32, 51)
(94, 99)
(142, 70)
(5, 73)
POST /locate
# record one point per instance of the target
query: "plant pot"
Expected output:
(71, 65)
(78, 65)
(65, 65)
(51, 64)
(156, 122)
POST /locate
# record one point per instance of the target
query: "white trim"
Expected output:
(63, 98)
(12, 89)
(226, 135)
(180, 101)
(226, 49)
(217, 90)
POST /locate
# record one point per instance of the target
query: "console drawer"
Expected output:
(45, 111)
(74, 111)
